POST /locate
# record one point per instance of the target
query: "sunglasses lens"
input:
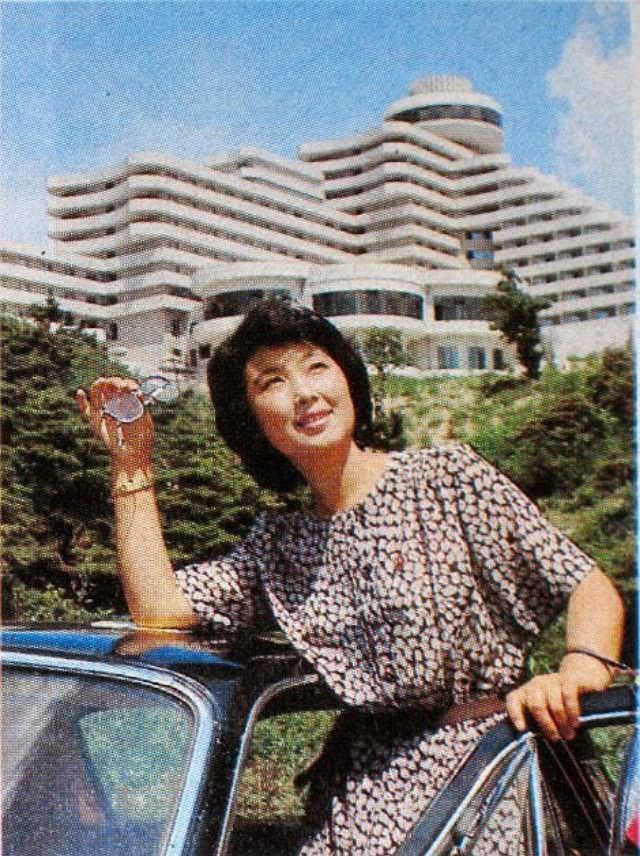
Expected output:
(125, 407)
(158, 388)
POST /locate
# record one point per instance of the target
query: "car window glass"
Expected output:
(579, 783)
(137, 785)
(557, 795)
(96, 766)
(626, 810)
(271, 811)
(497, 818)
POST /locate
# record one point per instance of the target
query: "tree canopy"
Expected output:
(514, 312)
(383, 349)
(57, 521)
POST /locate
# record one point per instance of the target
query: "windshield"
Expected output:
(90, 765)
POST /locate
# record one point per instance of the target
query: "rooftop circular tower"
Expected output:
(448, 106)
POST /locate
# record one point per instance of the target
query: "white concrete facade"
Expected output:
(404, 226)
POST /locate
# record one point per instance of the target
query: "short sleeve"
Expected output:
(527, 566)
(225, 592)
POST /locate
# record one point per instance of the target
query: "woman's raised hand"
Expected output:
(128, 443)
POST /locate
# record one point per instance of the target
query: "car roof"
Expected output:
(185, 651)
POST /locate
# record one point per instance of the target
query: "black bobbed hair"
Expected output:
(271, 323)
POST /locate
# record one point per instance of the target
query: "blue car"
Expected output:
(127, 742)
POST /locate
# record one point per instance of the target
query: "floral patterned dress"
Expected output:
(424, 595)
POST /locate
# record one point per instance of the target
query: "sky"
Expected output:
(86, 83)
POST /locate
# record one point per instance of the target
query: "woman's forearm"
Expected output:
(595, 617)
(149, 584)
(594, 624)
(150, 588)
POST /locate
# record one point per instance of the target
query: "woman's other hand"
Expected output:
(553, 700)
(127, 443)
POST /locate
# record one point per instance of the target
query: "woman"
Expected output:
(416, 583)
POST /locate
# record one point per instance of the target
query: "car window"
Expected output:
(90, 765)
(271, 811)
(580, 784)
(497, 815)
(626, 809)
(538, 797)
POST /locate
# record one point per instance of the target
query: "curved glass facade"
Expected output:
(368, 302)
(450, 111)
(229, 303)
(460, 309)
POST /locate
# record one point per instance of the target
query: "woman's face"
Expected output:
(301, 399)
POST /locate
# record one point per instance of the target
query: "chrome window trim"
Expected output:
(204, 708)
(519, 748)
(592, 719)
(260, 703)
(521, 757)
(536, 803)
(624, 793)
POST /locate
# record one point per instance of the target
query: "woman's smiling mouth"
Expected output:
(312, 420)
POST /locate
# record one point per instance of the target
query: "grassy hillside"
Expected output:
(567, 440)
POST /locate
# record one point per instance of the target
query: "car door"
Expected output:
(520, 795)
(100, 759)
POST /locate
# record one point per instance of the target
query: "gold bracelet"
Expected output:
(125, 484)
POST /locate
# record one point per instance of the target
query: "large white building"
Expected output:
(403, 226)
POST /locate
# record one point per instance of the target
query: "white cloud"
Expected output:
(594, 143)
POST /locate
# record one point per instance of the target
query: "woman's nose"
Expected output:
(303, 391)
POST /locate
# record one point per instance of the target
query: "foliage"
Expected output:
(283, 746)
(47, 313)
(388, 430)
(205, 497)
(566, 439)
(56, 521)
(610, 383)
(383, 349)
(514, 313)
(50, 606)
(57, 526)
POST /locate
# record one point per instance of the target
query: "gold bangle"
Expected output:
(125, 484)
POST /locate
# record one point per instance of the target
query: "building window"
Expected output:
(574, 317)
(460, 309)
(605, 312)
(229, 303)
(368, 302)
(499, 363)
(177, 327)
(451, 111)
(477, 357)
(112, 332)
(448, 357)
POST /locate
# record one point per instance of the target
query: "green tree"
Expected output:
(48, 313)
(206, 498)
(383, 349)
(57, 513)
(514, 313)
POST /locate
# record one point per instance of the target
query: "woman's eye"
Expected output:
(271, 382)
